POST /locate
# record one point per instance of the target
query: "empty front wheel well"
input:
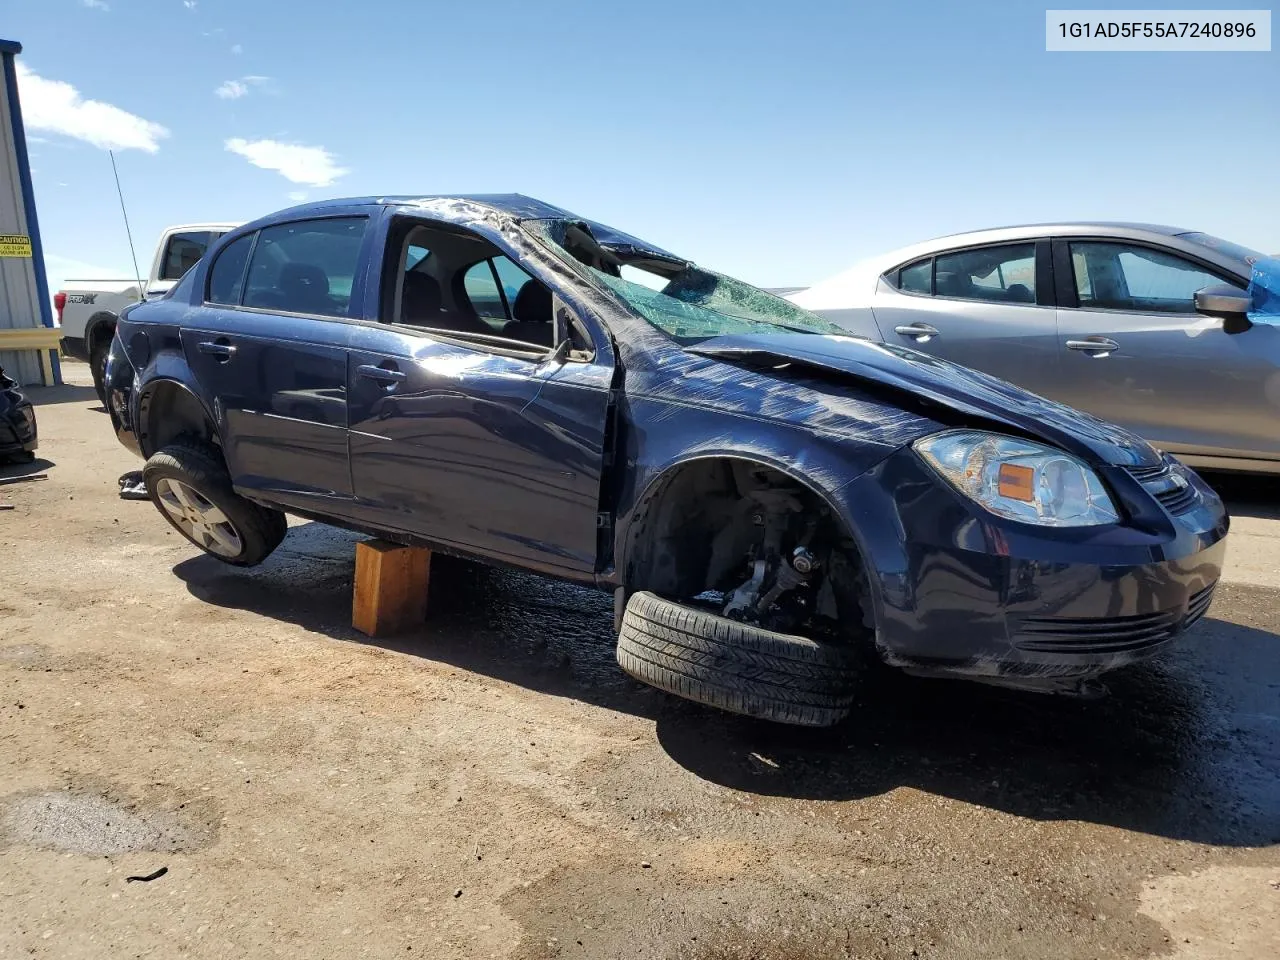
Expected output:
(168, 411)
(694, 531)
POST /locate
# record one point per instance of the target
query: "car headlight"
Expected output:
(1019, 479)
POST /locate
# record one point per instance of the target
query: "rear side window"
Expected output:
(182, 251)
(917, 277)
(492, 287)
(482, 291)
(306, 267)
(1003, 274)
(227, 276)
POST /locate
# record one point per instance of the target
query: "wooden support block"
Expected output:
(390, 593)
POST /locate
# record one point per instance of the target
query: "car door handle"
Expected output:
(217, 348)
(920, 332)
(1094, 346)
(381, 374)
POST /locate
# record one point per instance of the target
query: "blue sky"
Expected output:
(778, 142)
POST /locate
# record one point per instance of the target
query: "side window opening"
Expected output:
(485, 291)
(465, 285)
(1119, 276)
(1002, 274)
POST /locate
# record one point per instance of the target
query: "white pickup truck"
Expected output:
(87, 309)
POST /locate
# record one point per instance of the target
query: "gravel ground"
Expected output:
(493, 786)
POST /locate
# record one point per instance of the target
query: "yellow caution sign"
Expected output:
(15, 245)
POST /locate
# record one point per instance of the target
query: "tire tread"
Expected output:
(735, 666)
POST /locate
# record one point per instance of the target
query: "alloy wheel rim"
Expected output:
(199, 518)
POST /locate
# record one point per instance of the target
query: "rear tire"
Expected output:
(735, 666)
(189, 484)
(98, 366)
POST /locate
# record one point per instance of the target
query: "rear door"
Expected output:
(1135, 351)
(986, 307)
(493, 447)
(269, 348)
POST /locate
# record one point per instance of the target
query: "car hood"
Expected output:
(911, 374)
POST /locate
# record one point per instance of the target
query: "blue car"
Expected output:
(769, 498)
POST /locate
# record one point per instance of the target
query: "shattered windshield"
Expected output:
(684, 301)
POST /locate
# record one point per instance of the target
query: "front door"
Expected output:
(476, 440)
(1135, 352)
(494, 455)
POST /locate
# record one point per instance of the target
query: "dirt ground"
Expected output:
(493, 786)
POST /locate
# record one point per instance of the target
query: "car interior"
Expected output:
(1003, 274)
(457, 282)
(1124, 277)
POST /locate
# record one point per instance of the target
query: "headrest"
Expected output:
(421, 296)
(533, 303)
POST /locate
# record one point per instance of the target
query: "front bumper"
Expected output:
(961, 592)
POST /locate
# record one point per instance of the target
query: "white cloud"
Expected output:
(235, 89)
(237, 49)
(313, 166)
(297, 196)
(96, 5)
(189, 4)
(57, 107)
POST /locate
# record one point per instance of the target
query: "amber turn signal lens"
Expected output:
(1016, 482)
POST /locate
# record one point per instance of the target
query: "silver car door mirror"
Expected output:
(1230, 303)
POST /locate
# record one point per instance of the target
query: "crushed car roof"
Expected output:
(516, 204)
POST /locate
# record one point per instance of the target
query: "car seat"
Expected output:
(420, 300)
(305, 288)
(532, 313)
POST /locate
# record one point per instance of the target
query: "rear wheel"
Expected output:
(735, 666)
(189, 484)
(98, 366)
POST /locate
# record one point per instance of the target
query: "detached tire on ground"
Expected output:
(735, 666)
(189, 484)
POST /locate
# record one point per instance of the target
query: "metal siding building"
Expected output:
(27, 339)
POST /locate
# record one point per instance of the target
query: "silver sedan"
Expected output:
(1141, 325)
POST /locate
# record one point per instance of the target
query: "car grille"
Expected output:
(1198, 606)
(1176, 497)
(1108, 634)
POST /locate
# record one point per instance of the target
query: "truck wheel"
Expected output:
(98, 367)
(189, 484)
(735, 666)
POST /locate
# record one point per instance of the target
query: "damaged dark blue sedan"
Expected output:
(768, 497)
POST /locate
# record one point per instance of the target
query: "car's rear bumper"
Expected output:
(958, 591)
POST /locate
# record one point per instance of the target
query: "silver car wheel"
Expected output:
(199, 518)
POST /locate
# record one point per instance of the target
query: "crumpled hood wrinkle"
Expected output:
(912, 374)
